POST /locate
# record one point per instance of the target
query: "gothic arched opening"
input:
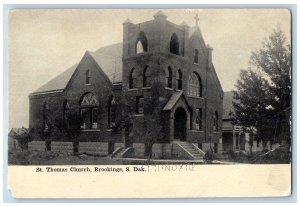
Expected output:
(174, 44)
(142, 43)
(180, 122)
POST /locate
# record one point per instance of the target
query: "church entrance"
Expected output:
(180, 118)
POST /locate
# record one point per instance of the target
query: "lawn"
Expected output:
(26, 157)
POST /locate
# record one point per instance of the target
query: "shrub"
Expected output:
(23, 138)
(209, 156)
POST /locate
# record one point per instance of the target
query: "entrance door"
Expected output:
(180, 124)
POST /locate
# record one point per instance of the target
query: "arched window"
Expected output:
(89, 111)
(87, 77)
(174, 44)
(45, 116)
(111, 111)
(142, 43)
(169, 77)
(132, 78)
(146, 77)
(179, 80)
(195, 85)
(215, 121)
(66, 108)
(196, 56)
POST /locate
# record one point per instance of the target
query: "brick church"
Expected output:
(160, 83)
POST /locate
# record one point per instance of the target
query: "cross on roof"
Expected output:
(196, 19)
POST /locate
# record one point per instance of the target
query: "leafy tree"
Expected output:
(274, 60)
(153, 117)
(71, 127)
(23, 138)
(251, 109)
(263, 92)
(123, 121)
(45, 130)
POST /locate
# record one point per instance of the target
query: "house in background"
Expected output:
(161, 71)
(233, 136)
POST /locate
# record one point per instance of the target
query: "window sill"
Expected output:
(198, 97)
(88, 84)
(138, 115)
(132, 89)
(170, 89)
(90, 130)
(146, 88)
(178, 90)
(194, 130)
(196, 64)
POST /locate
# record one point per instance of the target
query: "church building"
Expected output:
(156, 92)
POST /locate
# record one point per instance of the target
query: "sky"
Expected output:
(44, 43)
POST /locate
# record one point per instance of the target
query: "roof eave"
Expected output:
(46, 92)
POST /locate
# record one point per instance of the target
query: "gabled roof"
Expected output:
(59, 82)
(196, 31)
(174, 99)
(108, 58)
(227, 104)
(18, 131)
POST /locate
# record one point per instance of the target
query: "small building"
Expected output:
(233, 136)
(161, 80)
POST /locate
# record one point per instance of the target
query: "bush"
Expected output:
(23, 138)
(209, 156)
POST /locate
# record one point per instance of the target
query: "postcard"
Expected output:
(149, 103)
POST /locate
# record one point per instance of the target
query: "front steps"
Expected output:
(191, 150)
(175, 149)
(122, 152)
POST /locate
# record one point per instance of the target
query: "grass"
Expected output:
(26, 157)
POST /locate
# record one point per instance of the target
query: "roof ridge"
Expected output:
(60, 81)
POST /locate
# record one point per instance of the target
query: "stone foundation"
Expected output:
(62, 146)
(37, 146)
(159, 150)
(100, 148)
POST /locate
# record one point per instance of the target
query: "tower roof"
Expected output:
(184, 24)
(128, 21)
(160, 14)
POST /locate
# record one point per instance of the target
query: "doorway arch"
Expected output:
(180, 123)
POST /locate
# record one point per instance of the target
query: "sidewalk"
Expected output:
(160, 161)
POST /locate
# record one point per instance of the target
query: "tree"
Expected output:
(265, 90)
(23, 137)
(251, 107)
(45, 130)
(153, 117)
(274, 60)
(71, 127)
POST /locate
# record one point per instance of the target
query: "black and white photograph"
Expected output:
(114, 87)
(150, 103)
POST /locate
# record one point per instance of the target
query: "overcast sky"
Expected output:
(43, 43)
